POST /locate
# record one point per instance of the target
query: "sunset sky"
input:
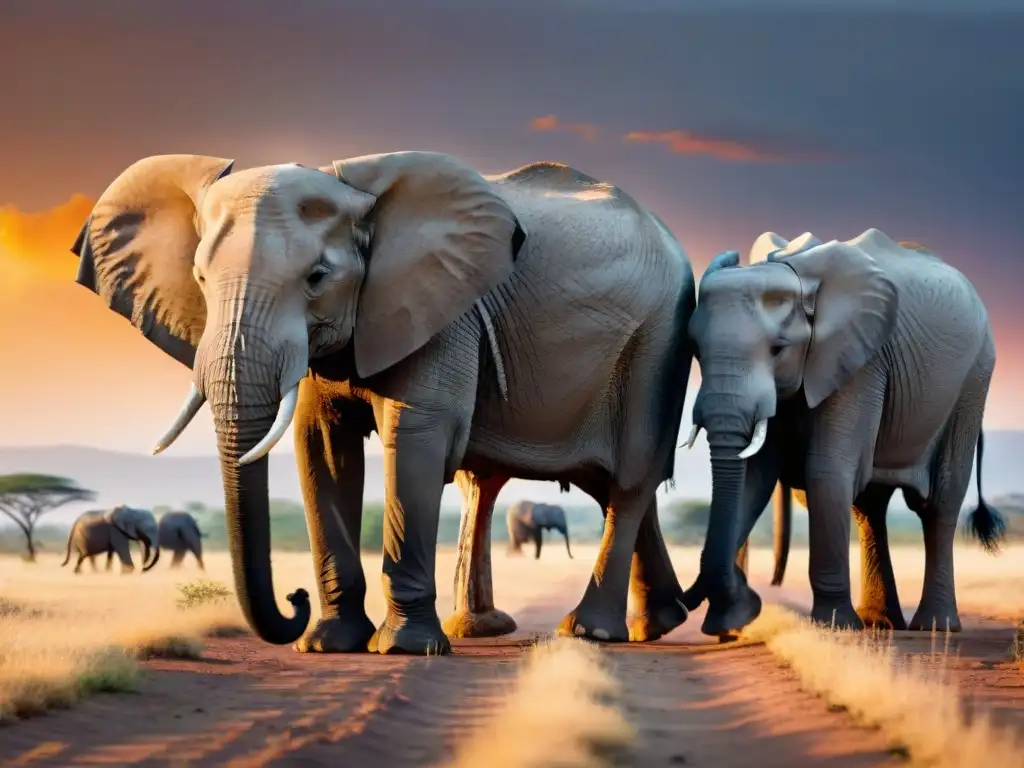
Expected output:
(727, 119)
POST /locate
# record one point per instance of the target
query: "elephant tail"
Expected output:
(984, 522)
(67, 555)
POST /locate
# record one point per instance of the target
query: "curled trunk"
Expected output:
(247, 517)
(147, 564)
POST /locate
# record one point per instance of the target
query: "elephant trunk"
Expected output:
(782, 530)
(722, 542)
(565, 532)
(156, 553)
(244, 395)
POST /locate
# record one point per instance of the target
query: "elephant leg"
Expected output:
(538, 541)
(939, 514)
(838, 469)
(122, 548)
(92, 563)
(416, 442)
(78, 564)
(475, 614)
(879, 600)
(658, 606)
(601, 614)
(176, 560)
(329, 453)
(199, 559)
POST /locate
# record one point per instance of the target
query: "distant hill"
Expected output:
(150, 481)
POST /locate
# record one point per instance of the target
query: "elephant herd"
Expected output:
(541, 324)
(112, 531)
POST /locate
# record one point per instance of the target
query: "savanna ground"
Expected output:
(131, 678)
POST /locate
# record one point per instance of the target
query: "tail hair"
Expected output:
(985, 523)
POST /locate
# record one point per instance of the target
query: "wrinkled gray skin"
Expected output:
(527, 520)
(524, 325)
(179, 533)
(871, 363)
(111, 531)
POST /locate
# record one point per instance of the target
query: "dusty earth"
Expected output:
(695, 702)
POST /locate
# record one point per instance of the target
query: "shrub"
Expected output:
(202, 592)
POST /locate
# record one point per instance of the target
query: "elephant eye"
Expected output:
(315, 278)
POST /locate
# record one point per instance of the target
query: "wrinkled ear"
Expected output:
(853, 306)
(137, 248)
(441, 238)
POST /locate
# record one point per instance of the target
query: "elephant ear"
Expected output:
(118, 518)
(441, 238)
(852, 303)
(137, 248)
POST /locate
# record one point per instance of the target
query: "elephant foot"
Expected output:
(415, 631)
(835, 615)
(465, 624)
(726, 617)
(127, 569)
(337, 635)
(661, 616)
(594, 625)
(878, 618)
(939, 618)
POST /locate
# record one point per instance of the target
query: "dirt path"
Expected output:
(250, 704)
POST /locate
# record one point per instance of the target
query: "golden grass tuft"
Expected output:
(57, 647)
(913, 704)
(565, 710)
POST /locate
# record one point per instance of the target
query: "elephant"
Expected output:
(847, 370)
(528, 520)
(179, 532)
(111, 531)
(527, 324)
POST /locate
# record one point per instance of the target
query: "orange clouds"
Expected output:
(551, 123)
(684, 143)
(36, 246)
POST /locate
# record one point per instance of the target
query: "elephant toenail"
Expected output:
(601, 634)
(580, 631)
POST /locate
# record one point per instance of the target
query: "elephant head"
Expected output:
(246, 277)
(138, 525)
(804, 320)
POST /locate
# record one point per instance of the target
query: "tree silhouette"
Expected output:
(24, 498)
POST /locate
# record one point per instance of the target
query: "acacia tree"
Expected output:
(24, 498)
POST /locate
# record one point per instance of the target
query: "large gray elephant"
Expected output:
(111, 532)
(848, 370)
(528, 520)
(530, 324)
(179, 533)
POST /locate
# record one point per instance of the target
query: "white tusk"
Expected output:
(285, 414)
(694, 431)
(757, 441)
(188, 412)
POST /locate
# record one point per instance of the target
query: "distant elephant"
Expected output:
(848, 370)
(111, 531)
(530, 324)
(179, 532)
(527, 520)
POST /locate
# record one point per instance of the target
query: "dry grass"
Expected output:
(916, 706)
(63, 637)
(565, 711)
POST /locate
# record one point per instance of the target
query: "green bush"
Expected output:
(371, 536)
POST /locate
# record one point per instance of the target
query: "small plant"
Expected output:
(202, 592)
(1017, 647)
